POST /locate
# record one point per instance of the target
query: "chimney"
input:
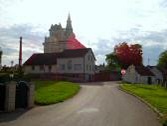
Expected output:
(0, 58)
(20, 53)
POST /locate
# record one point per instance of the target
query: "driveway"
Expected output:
(97, 104)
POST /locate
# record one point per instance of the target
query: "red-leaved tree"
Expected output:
(129, 54)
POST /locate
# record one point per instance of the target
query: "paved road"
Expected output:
(97, 104)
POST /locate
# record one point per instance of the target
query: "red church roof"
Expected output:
(73, 43)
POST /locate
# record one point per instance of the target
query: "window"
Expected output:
(33, 68)
(86, 67)
(49, 68)
(77, 66)
(89, 57)
(62, 66)
(69, 65)
(41, 67)
(90, 67)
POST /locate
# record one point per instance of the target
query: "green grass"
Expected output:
(50, 92)
(155, 95)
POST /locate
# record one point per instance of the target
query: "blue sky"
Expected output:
(99, 24)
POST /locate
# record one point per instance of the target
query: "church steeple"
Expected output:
(69, 29)
(69, 17)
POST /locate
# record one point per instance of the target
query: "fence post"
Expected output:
(10, 96)
(31, 93)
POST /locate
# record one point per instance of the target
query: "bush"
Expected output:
(4, 77)
(165, 123)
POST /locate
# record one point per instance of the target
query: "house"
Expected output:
(158, 74)
(164, 74)
(139, 74)
(75, 63)
(100, 68)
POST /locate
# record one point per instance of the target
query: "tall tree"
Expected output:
(125, 55)
(129, 54)
(162, 62)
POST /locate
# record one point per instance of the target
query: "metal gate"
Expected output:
(2, 96)
(21, 94)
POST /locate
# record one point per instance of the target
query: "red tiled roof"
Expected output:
(72, 53)
(51, 58)
(73, 43)
(42, 58)
(144, 71)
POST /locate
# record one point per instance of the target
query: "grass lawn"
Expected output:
(50, 92)
(155, 95)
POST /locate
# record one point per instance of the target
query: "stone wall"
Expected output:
(10, 99)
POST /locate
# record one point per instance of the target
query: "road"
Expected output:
(97, 104)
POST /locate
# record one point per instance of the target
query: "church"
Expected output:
(64, 56)
(61, 38)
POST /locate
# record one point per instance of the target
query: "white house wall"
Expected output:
(64, 61)
(133, 77)
(37, 70)
(89, 63)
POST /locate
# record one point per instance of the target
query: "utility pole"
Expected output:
(20, 53)
(0, 58)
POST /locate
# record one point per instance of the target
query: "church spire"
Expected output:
(69, 17)
(69, 29)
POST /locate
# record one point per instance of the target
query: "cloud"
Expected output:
(9, 41)
(163, 3)
(153, 44)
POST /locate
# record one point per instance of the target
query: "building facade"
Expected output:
(63, 56)
(158, 74)
(139, 74)
(77, 64)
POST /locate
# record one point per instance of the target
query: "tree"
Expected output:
(129, 54)
(125, 55)
(162, 62)
(112, 62)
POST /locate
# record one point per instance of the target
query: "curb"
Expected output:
(142, 100)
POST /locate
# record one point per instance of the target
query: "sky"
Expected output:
(98, 24)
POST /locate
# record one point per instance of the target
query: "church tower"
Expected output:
(69, 29)
(61, 38)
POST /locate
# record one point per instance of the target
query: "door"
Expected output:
(2, 96)
(21, 95)
(149, 80)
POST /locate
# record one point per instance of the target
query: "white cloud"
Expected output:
(9, 41)
(98, 24)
